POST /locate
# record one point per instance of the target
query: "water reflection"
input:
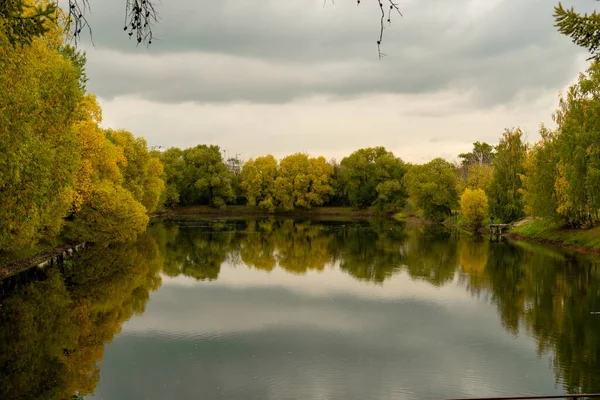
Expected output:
(55, 323)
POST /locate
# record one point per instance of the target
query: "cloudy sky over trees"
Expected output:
(278, 77)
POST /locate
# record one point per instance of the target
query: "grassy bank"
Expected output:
(583, 240)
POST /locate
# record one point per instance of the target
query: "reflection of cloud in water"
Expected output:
(231, 339)
(330, 280)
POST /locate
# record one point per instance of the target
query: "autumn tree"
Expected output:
(142, 173)
(39, 93)
(258, 182)
(302, 181)
(474, 207)
(505, 194)
(432, 188)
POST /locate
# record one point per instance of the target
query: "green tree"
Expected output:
(476, 169)
(432, 188)
(25, 21)
(578, 145)
(540, 178)
(477, 176)
(483, 153)
(474, 207)
(173, 173)
(206, 179)
(374, 176)
(505, 194)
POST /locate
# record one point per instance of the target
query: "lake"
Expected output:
(290, 309)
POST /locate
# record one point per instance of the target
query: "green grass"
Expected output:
(544, 230)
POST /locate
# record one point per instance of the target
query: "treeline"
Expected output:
(60, 172)
(368, 178)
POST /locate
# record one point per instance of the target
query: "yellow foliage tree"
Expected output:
(142, 173)
(258, 181)
(109, 214)
(39, 92)
(474, 207)
(302, 181)
(100, 158)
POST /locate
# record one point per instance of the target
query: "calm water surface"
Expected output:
(281, 309)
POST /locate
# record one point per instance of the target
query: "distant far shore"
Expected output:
(253, 211)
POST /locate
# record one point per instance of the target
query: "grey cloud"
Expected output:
(275, 52)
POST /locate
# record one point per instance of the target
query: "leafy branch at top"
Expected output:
(583, 29)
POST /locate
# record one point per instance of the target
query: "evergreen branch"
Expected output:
(584, 30)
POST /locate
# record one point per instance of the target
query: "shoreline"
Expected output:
(252, 211)
(49, 256)
(557, 243)
(541, 239)
(41, 259)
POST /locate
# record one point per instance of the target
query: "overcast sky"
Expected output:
(282, 76)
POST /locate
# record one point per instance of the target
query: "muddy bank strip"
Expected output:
(41, 260)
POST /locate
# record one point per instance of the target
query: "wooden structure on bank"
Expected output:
(497, 229)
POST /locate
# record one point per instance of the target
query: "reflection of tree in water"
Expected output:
(370, 252)
(472, 258)
(430, 254)
(193, 252)
(257, 249)
(55, 323)
(302, 246)
(551, 295)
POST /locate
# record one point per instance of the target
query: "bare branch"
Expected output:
(77, 20)
(393, 7)
(139, 18)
